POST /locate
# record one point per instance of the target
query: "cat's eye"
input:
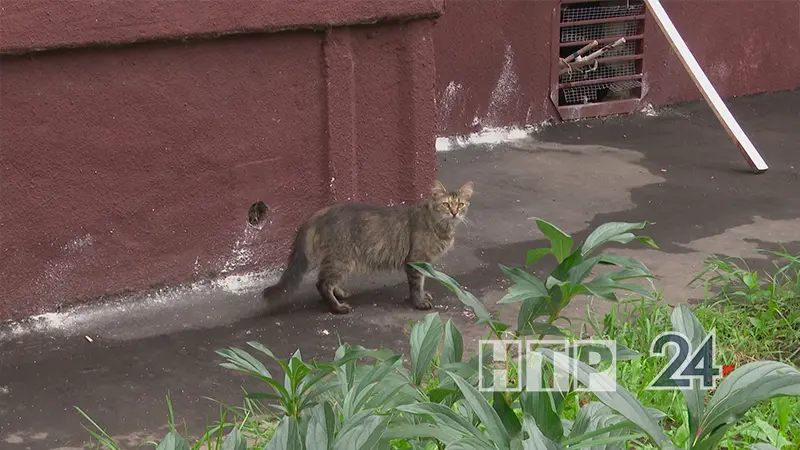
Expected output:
(446, 204)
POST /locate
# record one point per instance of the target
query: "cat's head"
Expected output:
(451, 205)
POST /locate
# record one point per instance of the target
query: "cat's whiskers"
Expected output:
(464, 220)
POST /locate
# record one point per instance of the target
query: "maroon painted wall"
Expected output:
(493, 56)
(130, 167)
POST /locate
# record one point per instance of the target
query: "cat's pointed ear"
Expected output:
(466, 191)
(438, 189)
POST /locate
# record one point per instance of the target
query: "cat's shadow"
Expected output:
(389, 298)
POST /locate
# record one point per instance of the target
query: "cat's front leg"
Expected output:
(416, 289)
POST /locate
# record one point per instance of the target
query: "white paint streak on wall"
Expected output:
(505, 93)
(451, 97)
(79, 243)
(58, 271)
(242, 251)
(720, 71)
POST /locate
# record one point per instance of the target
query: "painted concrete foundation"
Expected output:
(129, 159)
(134, 136)
(493, 57)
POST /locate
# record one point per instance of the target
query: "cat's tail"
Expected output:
(296, 269)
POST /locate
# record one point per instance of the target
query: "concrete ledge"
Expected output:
(35, 25)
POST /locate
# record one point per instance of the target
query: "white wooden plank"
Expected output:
(709, 93)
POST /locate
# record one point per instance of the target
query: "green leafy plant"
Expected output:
(214, 437)
(439, 401)
(571, 278)
(762, 308)
(742, 389)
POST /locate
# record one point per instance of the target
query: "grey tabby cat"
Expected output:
(357, 237)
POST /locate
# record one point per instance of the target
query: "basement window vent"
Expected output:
(597, 67)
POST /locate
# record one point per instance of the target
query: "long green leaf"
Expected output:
(234, 441)
(173, 441)
(605, 443)
(602, 286)
(761, 446)
(742, 389)
(321, 427)
(598, 424)
(561, 272)
(624, 425)
(287, 436)
(444, 417)
(476, 401)
(579, 272)
(465, 297)
(314, 377)
(612, 395)
(605, 286)
(380, 371)
(392, 395)
(685, 322)
(453, 349)
(470, 444)
(541, 405)
(609, 232)
(535, 255)
(625, 262)
(506, 414)
(560, 242)
(535, 439)
(425, 338)
(422, 430)
(254, 364)
(531, 309)
(365, 431)
(525, 285)
(355, 398)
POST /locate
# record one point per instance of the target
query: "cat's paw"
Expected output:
(423, 305)
(342, 293)
(342, 308)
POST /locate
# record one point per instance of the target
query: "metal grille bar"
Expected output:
(617, 73)
(577, 13)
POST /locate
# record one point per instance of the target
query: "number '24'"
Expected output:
(687, 364)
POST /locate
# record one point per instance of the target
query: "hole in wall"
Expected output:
(257, 215)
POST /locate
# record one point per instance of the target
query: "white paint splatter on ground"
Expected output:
(87, 319)
(649, 110)
(240, 284)
(489, 136)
